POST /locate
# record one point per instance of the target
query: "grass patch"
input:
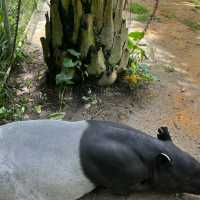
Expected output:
(141, 13)
(193, 25)
(138, 9)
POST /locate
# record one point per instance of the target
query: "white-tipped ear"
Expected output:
(164, 160)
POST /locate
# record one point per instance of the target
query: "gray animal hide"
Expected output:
(39, 160)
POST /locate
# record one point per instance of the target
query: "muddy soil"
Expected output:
(173, 100)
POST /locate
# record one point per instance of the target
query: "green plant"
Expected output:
(137, 72)
(4, 45)
(27, 9)
(20, 54)
(137, 53)
(141, 12)
(70, 66)
(10, 109)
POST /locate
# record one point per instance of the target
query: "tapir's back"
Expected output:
(39, 160)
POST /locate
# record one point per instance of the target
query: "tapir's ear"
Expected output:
(163, 134)
(164, 160)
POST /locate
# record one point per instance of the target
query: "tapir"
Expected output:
(59, 160)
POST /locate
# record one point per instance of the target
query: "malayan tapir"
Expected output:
(59, 160)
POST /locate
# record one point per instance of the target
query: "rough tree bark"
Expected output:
(95, 28)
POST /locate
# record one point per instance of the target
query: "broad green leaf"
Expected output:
(64, 79)
(130, 44)
(136, 35)
(3, 110)
(57, 116)
(74, 53)
(68, 63)
(86, 98)
(38, 109)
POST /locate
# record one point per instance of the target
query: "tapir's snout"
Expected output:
(183, 175)
(194, 181)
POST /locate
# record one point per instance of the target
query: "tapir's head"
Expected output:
(176, 171)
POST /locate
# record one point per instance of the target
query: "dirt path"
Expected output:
(174, 57)
(174, 101)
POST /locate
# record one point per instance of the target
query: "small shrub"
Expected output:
(137, 73)
(71, 65)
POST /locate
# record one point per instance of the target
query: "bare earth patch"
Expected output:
(174, 101)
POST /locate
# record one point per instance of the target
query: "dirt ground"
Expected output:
(174, 100)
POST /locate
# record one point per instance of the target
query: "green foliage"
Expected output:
(20, 54)
(137, 53)
(71, 65)
(139, 9)
(37, 109)
(136, 36)
(141, 12)
(27, 9)
(74, 53)
(57, 115)
(3, 42)
(65, 78)
(3, 47)
(10, 108)
(137, 72)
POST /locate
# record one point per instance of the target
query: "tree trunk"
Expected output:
(95, 28)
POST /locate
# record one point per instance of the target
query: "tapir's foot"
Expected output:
(163, 134)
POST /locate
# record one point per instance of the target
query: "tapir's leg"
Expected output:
(163, 134)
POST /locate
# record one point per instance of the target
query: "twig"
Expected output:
(152, 16)
(125, 4)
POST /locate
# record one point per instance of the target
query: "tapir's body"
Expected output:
(39, 160)
(57, 160)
